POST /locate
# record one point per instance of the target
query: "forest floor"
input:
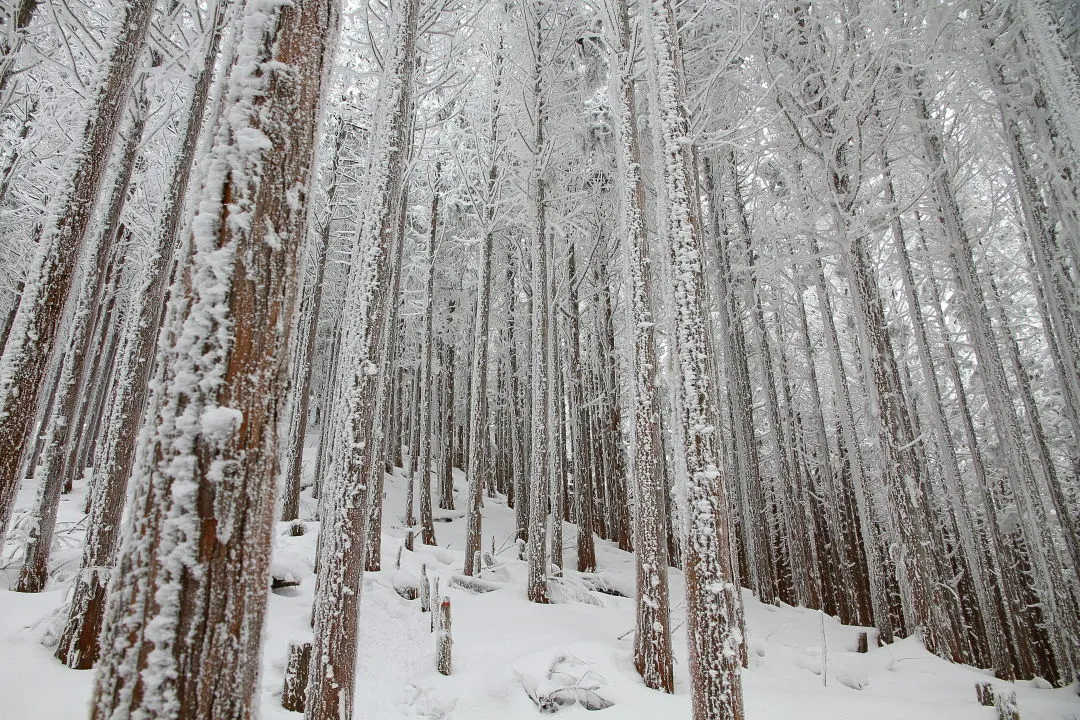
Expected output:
(802, 664)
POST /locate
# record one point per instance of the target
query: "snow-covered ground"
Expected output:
(802, 665)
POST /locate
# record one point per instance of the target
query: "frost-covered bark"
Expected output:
(427, 384)
(362, 351)
(187, 604)
(78, 646)
(652, 648)
(53, 470)
(712, 596)
(31, 341)
(537, 17)
(303, 350)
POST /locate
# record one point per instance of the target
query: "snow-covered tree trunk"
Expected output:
(390, 357)
(427, 383)
(78, 645)
(32, 339)
(478, 410)
(303, 349)
(342, 544)
(712, 595)
(517, 413)
(652, 644)
(537, 17)
(609, 420)
(446, 433)
(52, 471)
(556, 430)
(187, 605)
(578, 424)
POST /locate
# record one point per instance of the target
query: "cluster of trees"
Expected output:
(783, 294)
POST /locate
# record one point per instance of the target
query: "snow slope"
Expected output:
(802, 664)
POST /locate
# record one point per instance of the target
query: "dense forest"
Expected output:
(783, 295)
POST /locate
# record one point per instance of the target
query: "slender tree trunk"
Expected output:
(427, 384)
(583, 513)
(712, 594)
(652, 644)
(31, 342)
(331, 687)
(303, 350)
(477, 417)
(446, 436)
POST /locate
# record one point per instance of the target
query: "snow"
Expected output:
(503, 644)
(220, 422)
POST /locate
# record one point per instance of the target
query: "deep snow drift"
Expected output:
(802, 664)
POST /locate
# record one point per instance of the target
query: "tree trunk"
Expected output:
(427, 384)
(31, 343)
(189, 602)
(652, 643)
(712, 595)
(78, 647)
(303, 350)
(342, 539)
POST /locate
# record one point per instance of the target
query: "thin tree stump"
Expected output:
(443, 641)
(410, 540)
(863, 644)
(434, 594)
(425, 590)
(1005, 702)
(984, 691)
(296, 677)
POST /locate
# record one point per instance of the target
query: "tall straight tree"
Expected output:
(652, 651)
(186, 608)
(712, 595)
(427, 384)
(78, 645)
(478, 411)
(32, 339)
(363, 349)
(539, 19)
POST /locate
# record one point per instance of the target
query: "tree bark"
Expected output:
(188, 604)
